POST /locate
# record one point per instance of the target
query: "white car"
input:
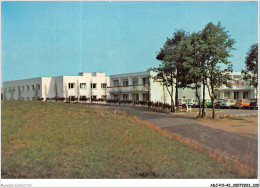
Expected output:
(182, 102)
(227, 103)
(193, 102)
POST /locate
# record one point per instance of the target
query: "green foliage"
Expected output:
(58, 140)
(251, 71)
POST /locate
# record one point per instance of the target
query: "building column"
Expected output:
(140, 80)
(221, 94)
(140, 96)
(231, 95)
(130, 96)
(253, 93)
(130, 81)
(240, 94)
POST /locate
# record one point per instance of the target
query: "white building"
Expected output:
(240, 89)
(85, 85)
(137, 86)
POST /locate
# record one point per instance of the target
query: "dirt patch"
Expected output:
(244, 125)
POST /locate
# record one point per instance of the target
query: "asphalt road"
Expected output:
(234, 147)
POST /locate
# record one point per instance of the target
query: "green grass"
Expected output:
(56, 140)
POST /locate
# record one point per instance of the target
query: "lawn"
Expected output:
(58, 140)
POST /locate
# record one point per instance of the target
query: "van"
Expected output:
(228, 103)
(242, 103)
(254, 104)
(217, 103)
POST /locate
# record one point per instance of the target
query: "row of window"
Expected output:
(134, 96)
(24, 88)
(135, 82)
(83, 97)
(84, 85)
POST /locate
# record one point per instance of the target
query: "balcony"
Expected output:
(236, 86)
(129, 89)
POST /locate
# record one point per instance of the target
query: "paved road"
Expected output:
(233, 146)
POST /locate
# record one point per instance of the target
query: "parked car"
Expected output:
(228, 103)
(182, 101)
(208, 103)
(254, 104)
(217, 103)
(193, 102)
(242, 103)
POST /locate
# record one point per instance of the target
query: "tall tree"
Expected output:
(250, 73)
(172, 60)
(215, 51)
(190, 48)
(165, 75)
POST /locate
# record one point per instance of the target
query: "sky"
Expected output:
(64, 38)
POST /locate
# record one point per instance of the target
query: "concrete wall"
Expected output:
(48, 86)
(11, 90)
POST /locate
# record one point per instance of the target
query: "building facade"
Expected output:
(137, 86)
(240, 89)
(85, 85)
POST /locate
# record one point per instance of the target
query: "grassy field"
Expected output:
(56, 140)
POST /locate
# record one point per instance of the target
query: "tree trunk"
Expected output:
(172, 101)
(212, 102)
(199, 101)
(176, 94)
(213, 108)
(203, 100)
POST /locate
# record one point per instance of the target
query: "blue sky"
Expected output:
(64, 38)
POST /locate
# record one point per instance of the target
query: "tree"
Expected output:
(250, 73)
(165, 75)
(19, 93)
(171, 52)
(215, 49)
(90, 91)
(12, 93)
(77, 90)
(56, 92)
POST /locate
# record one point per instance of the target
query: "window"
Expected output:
(125, 82)
(83, 98)
(83, 85)
(135, 81)
(116, 96)
(28, 88)
(145, 96)
(94, 74)
(32, 87)
(72, 98)
(93, 86)
(71, 85)
(226, 95)
(38, 86)
(103, 85)
(145, 81)
(125, 96)
(116, 82)
(93, 97)
(23, 88)
(236, 95)
(245, 95)
(104, 97)
(136, 97)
